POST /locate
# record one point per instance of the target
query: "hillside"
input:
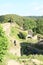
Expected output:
(25, 22)
(21, 49)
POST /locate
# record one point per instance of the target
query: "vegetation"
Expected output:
(39, 23)
(22, 35)
(3, 43)
(16, 33)
(30, 46)
(29, 24)
(34, 23)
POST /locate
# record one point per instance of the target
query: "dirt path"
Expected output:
(6, 28)
(13, 62)
(13, 50)
(38, 62)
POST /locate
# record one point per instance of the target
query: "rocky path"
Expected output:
(13, 62)
(35, 61)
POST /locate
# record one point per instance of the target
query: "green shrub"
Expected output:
(22, 35)
(3, 43)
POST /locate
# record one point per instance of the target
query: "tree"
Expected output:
(3, 43)
(40, 26)
(29, 24)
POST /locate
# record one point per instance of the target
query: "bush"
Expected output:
(3, 43)
(22, 35)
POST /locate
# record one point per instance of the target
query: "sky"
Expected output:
(22, 7)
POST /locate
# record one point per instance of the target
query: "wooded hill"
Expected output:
(26, 22)
(13, 42)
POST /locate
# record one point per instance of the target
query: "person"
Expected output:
(15, 42)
